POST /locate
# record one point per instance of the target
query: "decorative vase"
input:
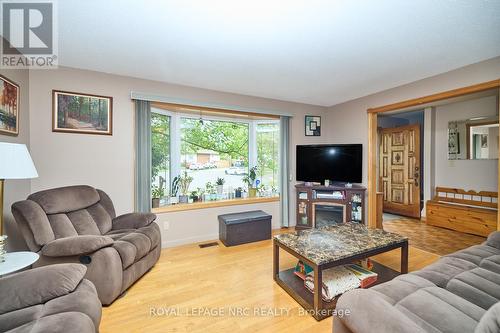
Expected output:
(220, 189)
(155, 202)
(183, 199)
(252, 192)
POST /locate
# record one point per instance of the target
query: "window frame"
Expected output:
(175, 137)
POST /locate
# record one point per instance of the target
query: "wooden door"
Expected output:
(399, 171)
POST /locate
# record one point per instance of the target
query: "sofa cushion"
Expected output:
(442, 271)
(400, 287)
(438, 310)
(66, 322)
(490, 323)
(491, 263)
(38, 286)
(494, 240)
(475, 254)
(132, 245)
(66, 199)
(479, 286)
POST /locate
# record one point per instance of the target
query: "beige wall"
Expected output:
(348, 122)
(16, 189)
(107, 162)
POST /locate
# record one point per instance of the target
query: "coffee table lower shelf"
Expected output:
(294, 286)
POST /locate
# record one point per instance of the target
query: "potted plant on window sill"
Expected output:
(194, 196)
(184, 182)
(157, 193)
(250, 181)
(211, 194)
(174, 189)
(220, 185)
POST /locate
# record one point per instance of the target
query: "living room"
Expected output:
(205, 122)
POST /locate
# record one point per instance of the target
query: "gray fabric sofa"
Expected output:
(459, 293)
(53, 299)
(79, 224)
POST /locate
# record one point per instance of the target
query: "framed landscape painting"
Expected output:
(9, 107)
(82, 113)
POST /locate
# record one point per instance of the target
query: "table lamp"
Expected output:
(15, 163)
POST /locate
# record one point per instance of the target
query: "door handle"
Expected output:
(416, 176)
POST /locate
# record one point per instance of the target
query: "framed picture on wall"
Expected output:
(9, 107)
(313, 126)
(484, 140)
(453, 141)
(82, 113)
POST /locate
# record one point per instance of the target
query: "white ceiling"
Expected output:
(315, 52)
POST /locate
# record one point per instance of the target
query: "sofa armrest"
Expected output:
(494, 239)
(133, 221)
(39, 285)
(369, 312)
(74, 246)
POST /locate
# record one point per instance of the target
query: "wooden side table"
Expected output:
(15, 261)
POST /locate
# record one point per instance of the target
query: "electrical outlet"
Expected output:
(166, 225)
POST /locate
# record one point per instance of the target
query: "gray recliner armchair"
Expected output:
(53, 299)
(78, 224)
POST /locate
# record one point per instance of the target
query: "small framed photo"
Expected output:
(313, 126)
(484, 140)
(82, 113)
(9, 107)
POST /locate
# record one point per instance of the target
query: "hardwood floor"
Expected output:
(219, 279)
(429, 238)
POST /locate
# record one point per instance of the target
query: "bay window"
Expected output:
(210, 158)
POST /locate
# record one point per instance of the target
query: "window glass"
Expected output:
(160, 156)
(268, 155)
(212, 149)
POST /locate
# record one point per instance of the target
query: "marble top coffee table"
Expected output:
(333, 246)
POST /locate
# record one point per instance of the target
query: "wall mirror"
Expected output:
(473, 139)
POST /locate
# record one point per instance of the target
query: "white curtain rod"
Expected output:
(171, 100)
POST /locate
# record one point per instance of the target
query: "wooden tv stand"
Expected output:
(309, 198)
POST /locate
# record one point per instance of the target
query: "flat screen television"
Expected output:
(335, 162)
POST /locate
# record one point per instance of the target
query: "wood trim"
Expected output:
(211, 111)
(437, 97)
(213, 204)
(372, 170)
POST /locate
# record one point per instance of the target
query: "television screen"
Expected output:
(337, 163)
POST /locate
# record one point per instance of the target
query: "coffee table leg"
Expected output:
(276, 259)
(404, 258)
(318, 290)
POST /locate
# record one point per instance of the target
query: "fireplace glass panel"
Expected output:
(327, 215)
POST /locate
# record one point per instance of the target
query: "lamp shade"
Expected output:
(16, 162)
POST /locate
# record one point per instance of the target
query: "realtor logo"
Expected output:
(29, 34)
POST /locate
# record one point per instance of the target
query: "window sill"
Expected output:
(212, 204)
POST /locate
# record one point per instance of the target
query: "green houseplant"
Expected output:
(194, 196)
(157, 192)
(250, 181)
(184, 182)
(220, 185)
(210, 188)
(174, 189)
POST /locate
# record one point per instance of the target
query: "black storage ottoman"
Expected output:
(245, 227)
